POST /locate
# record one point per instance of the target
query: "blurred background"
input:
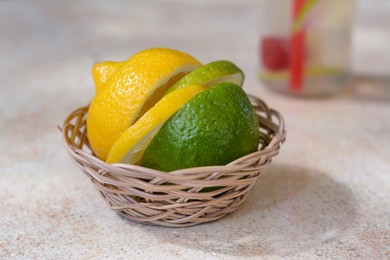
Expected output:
(370, 37)
(64, 39)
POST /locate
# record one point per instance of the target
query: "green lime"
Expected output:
(211, 74)
(215, 127)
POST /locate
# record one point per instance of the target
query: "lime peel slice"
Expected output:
(211, 74)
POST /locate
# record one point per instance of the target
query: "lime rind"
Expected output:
(211, 74)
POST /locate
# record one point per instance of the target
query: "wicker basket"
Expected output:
(142, 195)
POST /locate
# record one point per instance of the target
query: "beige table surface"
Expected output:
(327, 194)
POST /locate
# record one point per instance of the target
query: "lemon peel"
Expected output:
(120, 102)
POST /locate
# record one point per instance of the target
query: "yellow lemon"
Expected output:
(134, 88)
(102, 71)
(130, 146)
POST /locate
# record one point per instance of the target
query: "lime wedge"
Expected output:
(211, 74)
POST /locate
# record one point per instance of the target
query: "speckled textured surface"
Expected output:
(327, 195)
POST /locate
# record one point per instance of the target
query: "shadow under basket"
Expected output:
(179, 198)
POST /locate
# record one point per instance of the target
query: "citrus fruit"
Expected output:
(102, 71)
(215, 127)
(211, 74)
(134, 88)
(131, 145)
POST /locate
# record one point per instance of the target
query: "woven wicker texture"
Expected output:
(175, 199)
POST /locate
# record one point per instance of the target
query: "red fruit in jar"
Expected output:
(275, 52)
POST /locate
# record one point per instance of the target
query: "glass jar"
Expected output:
(305, 45)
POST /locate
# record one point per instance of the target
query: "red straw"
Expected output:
(297, 51)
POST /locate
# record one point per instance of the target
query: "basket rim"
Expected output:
(279, 137)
